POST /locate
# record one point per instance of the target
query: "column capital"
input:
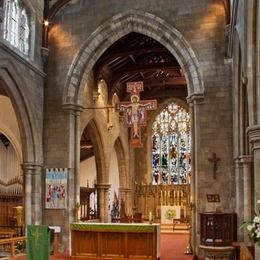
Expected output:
(125, 190)
(246, 159)
(30, 166)
(72, 108)
(196, 99)
(103, 186)
(254, 136)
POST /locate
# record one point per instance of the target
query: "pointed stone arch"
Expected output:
(13, 83)
(117, 27)
(100, 160)
(31, 139)
(121, 157)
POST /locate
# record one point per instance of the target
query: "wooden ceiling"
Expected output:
(137, 57)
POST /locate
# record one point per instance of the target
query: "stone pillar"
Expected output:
(194, 102)
(27, 172)
(102, 191)
(254, 138)
(246, 162)
(73, 113)
(125, 194)
(32, 193)
(77, 152)
(36, 195)
(239, 197)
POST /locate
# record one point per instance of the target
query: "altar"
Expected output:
(115, 241)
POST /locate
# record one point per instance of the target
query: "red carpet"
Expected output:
(173, 247)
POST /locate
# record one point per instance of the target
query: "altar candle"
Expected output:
(150, 216)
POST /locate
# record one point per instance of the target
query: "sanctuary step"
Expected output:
(177, 228)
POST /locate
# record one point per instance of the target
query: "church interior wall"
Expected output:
(221, 125)
(215, 135)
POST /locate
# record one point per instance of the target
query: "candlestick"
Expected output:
(150, 217)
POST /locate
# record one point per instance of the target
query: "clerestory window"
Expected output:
(171, 142)
(16, 25)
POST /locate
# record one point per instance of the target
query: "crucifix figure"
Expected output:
(215, 161)
(135, 111)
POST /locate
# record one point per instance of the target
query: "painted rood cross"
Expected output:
(215, 161)
(135, 111)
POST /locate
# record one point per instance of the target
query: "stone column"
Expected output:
(27, 171)
(246, 162)
(125, 194)
(254, 138)
(239, 197)
(194, 102)
(77, 152)
(36, 195)
(102, 191)
(73, 117)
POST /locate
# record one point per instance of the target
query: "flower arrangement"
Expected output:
(253, 227)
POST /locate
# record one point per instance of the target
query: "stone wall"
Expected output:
(202, 25)
(23, 80)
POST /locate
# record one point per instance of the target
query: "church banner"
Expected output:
(56, 188)
(38, 242)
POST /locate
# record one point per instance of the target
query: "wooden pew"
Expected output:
(11, 242)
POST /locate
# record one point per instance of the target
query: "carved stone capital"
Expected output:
(254, 136)
(196, 99)
(103, 186)
(246, 159)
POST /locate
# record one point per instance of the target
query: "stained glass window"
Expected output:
(171, 146)
(16, 25)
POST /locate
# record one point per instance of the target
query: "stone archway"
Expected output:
(118, 26)
(100, 160)
(30, 142)
(154, 27)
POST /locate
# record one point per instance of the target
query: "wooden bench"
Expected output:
(11, 242)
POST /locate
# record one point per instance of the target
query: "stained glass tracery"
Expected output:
(171, 146)
(16, 25)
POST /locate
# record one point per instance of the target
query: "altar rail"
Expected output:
(11, 242)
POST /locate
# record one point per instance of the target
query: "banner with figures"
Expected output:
(56, 188)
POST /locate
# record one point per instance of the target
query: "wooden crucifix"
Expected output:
(215, 161)
(135, 111)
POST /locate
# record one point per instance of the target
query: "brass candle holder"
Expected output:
(189, 250)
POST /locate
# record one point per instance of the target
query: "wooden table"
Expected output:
(112, 241)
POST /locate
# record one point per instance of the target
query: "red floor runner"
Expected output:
(173, 247)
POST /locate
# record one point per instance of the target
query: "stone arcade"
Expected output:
(64, 65)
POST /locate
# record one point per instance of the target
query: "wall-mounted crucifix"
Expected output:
(215, 161)
(135, 111)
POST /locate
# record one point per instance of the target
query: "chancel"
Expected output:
(85, 83)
